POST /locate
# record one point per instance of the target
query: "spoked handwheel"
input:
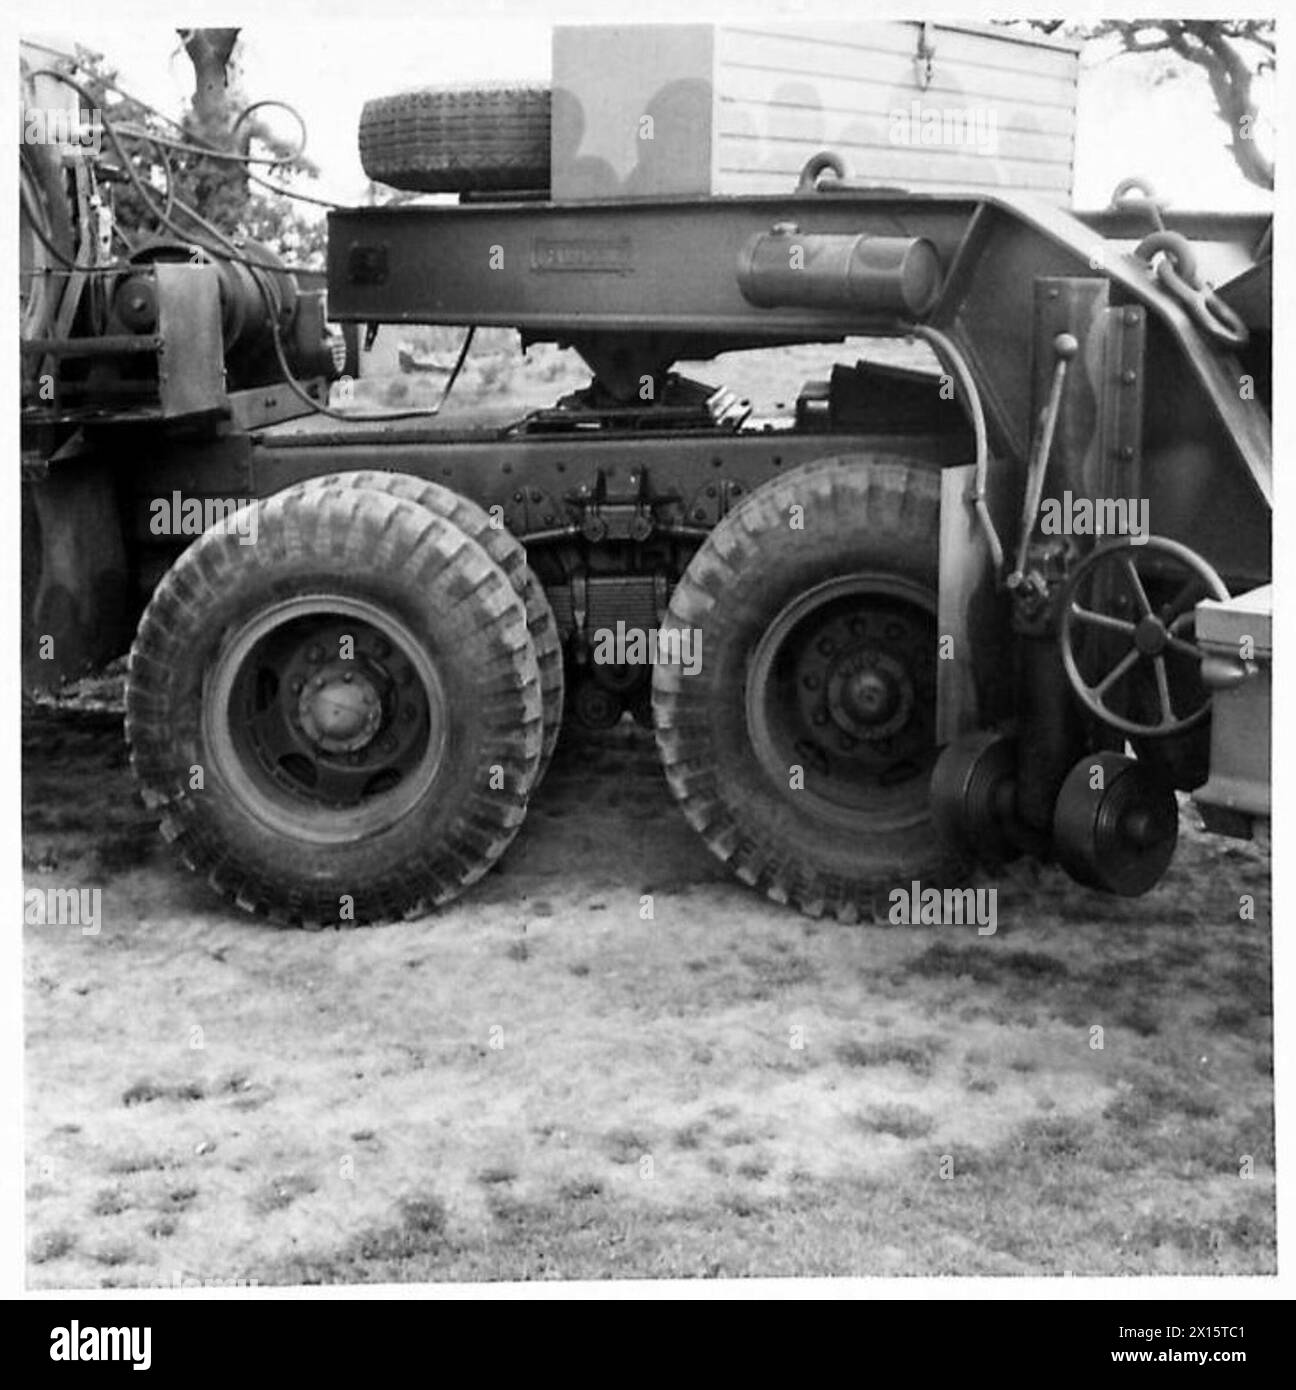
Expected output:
(1108, 597)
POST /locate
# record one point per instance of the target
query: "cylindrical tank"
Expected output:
(877, 275)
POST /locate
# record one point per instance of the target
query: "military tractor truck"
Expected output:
(1013, 603)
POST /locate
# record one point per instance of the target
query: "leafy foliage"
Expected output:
(220, 190)
(1231, 52)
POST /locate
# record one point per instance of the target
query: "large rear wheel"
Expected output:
(340, 721)
(802, 748)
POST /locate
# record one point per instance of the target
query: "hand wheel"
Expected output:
(1155, 634)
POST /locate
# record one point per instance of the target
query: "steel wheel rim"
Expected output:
(272, 799)
(884, 707)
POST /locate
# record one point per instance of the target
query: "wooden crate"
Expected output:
(651, 110)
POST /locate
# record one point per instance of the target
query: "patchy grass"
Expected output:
(916, 1054)
(904, 1121)
(1088, 1091)
(281, 1192)
(51, 1245)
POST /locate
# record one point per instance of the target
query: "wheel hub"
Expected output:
(842, 684)
(1150, 635)
(339, 710)
(869, 694)
(331, 714)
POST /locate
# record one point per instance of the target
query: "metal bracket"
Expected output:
(924, 64)
(1121, 401)
(712, 503)
(530, 510)
(616, 511)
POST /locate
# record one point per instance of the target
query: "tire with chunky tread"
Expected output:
(877, 513)
(509, 554)
(472, 139)
(423, 572)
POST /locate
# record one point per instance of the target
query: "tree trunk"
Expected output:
(220, 187)
(209, 51)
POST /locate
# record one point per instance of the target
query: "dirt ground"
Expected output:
(610, 1060)
(544, 1082)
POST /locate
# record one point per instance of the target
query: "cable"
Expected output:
(126, 241)
(945, 348)
(210, 151)
(33, 221)
(299, 197)
(228, 250)
(112, 86)
(369, 417)
(161, 217)
(161, 142)
(128, 165)
(283, 106)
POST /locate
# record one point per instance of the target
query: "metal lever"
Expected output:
(1065, 347)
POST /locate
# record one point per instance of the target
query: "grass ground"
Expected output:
(544, 1082)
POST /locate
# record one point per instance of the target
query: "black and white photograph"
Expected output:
(646, 655)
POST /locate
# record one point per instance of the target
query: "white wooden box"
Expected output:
(651, 110)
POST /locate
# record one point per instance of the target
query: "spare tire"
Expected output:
(458, 139)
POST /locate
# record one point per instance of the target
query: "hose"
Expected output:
(950, 355)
